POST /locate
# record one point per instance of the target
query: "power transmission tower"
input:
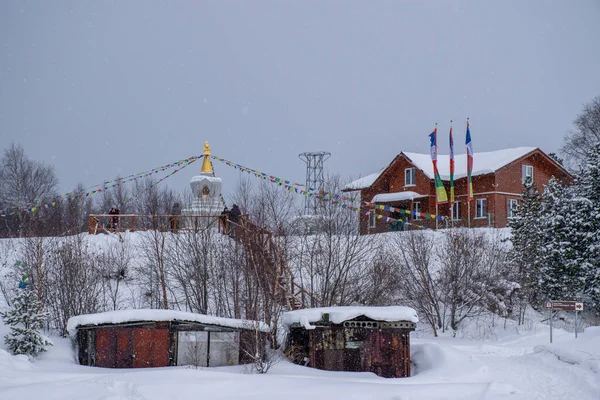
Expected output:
(314, 177)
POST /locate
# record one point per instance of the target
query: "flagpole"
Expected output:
(451, 159)
(436, 197)
(468, 184)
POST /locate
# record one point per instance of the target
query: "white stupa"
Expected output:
(206, 189)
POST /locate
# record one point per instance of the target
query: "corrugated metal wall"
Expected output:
(385, 352)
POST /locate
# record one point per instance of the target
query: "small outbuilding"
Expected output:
(160, 338)
(361, 339)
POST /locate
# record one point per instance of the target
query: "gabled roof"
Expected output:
(363, 182)
(483, 163)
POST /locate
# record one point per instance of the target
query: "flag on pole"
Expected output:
(440, 191)
(451, 167)
(469, 164)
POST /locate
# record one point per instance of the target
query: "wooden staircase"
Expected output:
(270, 267)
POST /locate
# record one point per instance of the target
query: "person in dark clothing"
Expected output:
(225, 220)
(234, 214)
(114, 219)
(174, 219)
(234, 217)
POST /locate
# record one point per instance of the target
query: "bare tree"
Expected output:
(418, 275)
(329, 260)
(73, 281)
(114, 265)
(473, 275)
(23, 183)
(192, 262)
(580, 141)
(154, 248)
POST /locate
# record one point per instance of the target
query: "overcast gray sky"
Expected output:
(106, 88)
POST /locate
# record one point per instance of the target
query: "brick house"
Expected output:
(407, 184)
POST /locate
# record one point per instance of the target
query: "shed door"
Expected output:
(224, 348)
(124, 356)
(151, 347)
(192, 348)
(106, 347)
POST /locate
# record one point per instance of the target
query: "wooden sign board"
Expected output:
(564, 305)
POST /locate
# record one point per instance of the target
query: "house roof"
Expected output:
(122, 316)
(363, 182)
(483, 163)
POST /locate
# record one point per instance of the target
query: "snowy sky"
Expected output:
(99, 89)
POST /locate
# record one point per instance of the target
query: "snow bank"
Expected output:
(120, 316)
(338, 315)
(585, 351)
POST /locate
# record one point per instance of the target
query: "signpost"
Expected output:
(563, 306)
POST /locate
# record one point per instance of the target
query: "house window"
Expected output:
(527, 173)
(481, 211)
(410, 177)
(417, 209)
(456, 210)
(512, 207)
(372, 219)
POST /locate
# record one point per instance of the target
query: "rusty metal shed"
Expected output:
(360, 339)
(160, 338)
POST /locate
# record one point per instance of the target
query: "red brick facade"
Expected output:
(497, 188)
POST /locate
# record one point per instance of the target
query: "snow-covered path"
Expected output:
(518, 367)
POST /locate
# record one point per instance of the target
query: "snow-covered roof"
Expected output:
(337, 315)
(363, 182)
(396, 196)
(121, 316)
(483, 163)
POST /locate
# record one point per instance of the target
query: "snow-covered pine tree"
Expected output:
(587, 200)
(559, 265)
(25, 319)
(526, 246)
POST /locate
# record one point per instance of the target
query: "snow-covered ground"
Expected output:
(510, 364)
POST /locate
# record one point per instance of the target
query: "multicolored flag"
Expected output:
(440, 191)
(469, 164)
(451, 167)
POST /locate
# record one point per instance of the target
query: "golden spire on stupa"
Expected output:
(206, 165)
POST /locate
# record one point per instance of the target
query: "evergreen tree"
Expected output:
(25, 320)
(526, 246)
(587, 200)
(560, 273)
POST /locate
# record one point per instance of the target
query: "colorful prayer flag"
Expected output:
(469, 164)
(451, 168)
(440, 191)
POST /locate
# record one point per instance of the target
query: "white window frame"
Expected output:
(526, 171)
(512, 205)
(479, 208)
(372, 219)
(456, 211)
(417, 209)
(410, 174)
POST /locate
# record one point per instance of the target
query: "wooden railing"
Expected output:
(110, 223)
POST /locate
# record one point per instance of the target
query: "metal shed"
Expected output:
(361, 339)
(160, 338)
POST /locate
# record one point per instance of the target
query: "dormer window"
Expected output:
(527, 173)
(410, 177)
